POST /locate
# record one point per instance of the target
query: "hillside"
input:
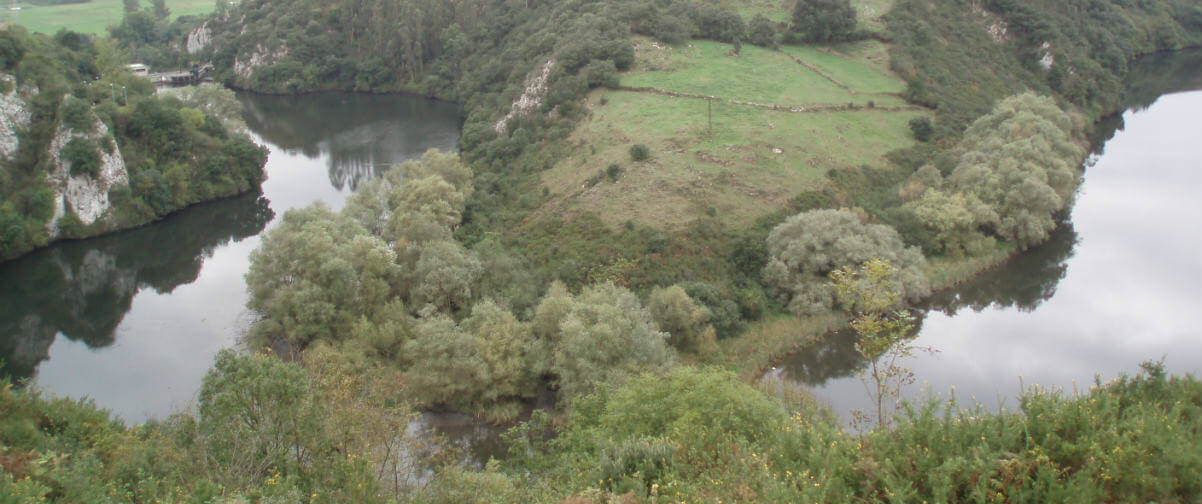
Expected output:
(89, 149)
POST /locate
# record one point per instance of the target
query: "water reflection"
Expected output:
(359, 135)
(82, 290)
(1024, 282)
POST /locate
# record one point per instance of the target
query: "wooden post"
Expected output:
(709, 112)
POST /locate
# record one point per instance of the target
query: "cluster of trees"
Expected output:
(1015, 171)
(176, 152)
(952, 63)
(385, 278)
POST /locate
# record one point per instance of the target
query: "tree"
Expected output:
(1020, 162)
(603, 334)
(761, 32)
(804, 249)
(315, 275)
(161, 12)
(870, 294)
(504, 345)
(824, 20)
(444, 275)
(686, 323)
(445, 364)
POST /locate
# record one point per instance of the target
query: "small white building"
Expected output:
(139, 69)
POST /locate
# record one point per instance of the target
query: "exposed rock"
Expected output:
(199, 38)
(532, 96)
(259, 57)
(88, 196)
(13, 115)
(999, 31)
(1047, 60)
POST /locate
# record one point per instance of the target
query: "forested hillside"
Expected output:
(816, 172)
(89, 148)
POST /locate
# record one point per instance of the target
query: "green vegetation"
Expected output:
(174, 154)
(471, 282)
(271, 431)
(91, 17)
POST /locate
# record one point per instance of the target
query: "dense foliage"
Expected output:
(174, 153)
(961, 57)
(809, 246)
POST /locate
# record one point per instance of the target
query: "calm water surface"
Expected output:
(1119, 284)
(134, 319)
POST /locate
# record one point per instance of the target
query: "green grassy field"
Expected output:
(90, 17)
(763, 76)
(756, 159)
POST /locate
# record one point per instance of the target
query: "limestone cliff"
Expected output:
(87, 196)
(13, 116)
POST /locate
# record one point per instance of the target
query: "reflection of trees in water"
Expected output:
(1148, 79)
(84, 289)
(361, 134)
(1023, 282)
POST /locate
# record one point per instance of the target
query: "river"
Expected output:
(133, 319)
(1118, 284)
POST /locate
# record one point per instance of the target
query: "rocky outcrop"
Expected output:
(532, 96)
(245, 68)
(13, 116)
(199, 38)
(88, 197)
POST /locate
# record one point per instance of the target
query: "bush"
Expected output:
(824, 20)
(922, 129)
(613, 171)
(639, 152)
(761, 32)
(83, 156)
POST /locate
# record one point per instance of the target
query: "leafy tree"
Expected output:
(505, 345)
(805, 248)
(871, 294)
(686, 322)
(1015, 170)
(446, 366)
(954, 219)
(603, 334)
(315, 275)
(761, 31)
(824, 20)
(444, 275)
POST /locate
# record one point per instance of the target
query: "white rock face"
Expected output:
(1047, 60)
(199, 38)
(532, 96)
(259, 57)
(13, 115)
(88, 197)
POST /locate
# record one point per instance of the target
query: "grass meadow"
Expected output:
(749, 161)
(89, 17)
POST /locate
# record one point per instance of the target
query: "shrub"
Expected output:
(922, 129)
(639, 152)
(824, 20)
(613, 171)
(83, 156)
(761, 32)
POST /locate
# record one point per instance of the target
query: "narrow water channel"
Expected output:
(133, 320)
(1120, 283)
